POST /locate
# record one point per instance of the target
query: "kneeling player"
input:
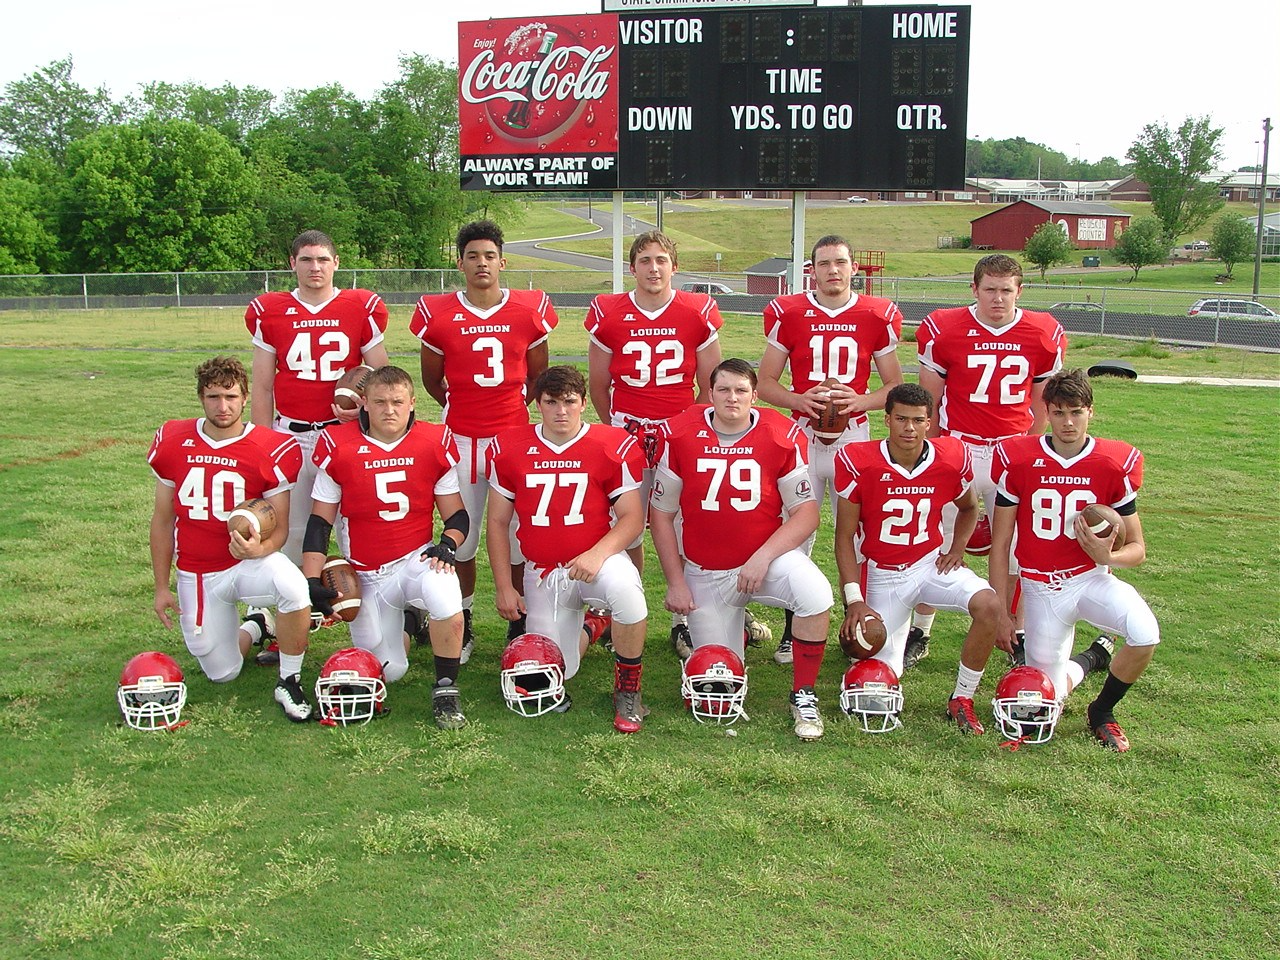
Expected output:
(895, 490)
(388, 474)
(1042, 484)
(574, 487)
(203, 469)
(739, 479)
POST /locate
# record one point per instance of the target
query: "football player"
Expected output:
(204, 468)
(575, 489)
(482, 348)
(389, 474)
(831, 332)
(303, 342)
(1043, 483)
(891, 492)
(650, 356)
(738, 478)
(986, 365)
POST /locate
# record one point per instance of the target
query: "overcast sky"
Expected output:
(1086, 73)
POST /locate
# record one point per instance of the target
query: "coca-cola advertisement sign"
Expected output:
(538, 103)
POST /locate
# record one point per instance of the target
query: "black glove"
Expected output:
(321, 596)
(445, 551)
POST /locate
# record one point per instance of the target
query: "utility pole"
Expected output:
(1262, 204)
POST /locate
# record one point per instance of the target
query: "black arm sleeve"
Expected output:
(316, 539)
(457, 521)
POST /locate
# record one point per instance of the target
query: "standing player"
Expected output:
(389, 474)
(574, 488)
(482, 348)
(303, 342)
(892, 492)
(651, 354)
(204, 468)
(1042, 485)
(737, 476)
(832, 332)
(986, 365)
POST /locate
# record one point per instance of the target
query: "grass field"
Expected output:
(242, 835)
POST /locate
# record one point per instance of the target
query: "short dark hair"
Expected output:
(313, 238)
(389, 376)
(560, 382)
(652, 236)
(479, 230)
(1068, 388)
(737, 367)
(997, 265)
(908, 395)
(221, 372)
(830, 240)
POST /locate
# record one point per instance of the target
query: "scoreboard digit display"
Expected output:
(793, 98)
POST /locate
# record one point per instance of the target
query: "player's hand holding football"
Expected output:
(247, 548)
(854, 614)
(322, 597)
(164, 604)
(812, 402)
(345, 416)
(847, 399)
(1098, 548)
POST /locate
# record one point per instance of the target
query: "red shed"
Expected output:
(1089, 225)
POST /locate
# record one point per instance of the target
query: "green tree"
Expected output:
(1048, 246)
(157, 195)
(45, 111)
(1141, 245)
(233, 112)
(1174, 165)
(26, 246)
(1233, 240)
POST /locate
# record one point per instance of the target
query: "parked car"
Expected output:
(857, 199)
(1232, 308)
(1196, 245)
(705, 286)
(1085, 305)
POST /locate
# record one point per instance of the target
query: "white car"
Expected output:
(856, 199)
(705, 286)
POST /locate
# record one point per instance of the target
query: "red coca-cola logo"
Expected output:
(543, 84)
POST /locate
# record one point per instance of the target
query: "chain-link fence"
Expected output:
(1215, 317)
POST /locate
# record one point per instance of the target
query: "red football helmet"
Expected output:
(979, 544)
(532, 676)
(151, 692)
(350, 688)
(871, 695)
(1026, 705)
(713, 682)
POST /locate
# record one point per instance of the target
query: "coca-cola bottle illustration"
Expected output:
(518, 116)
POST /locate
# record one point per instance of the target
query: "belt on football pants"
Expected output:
(1057, 576)
(306, 426)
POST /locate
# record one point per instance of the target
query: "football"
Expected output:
(339, 575)
(350, 388)
(979, 544)
(829, 424)
(1102, 519)
(870, 640)
(256, 514)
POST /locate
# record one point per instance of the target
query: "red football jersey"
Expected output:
(730, 496)
(485, 355)
(822, 343)
(901, 510)
(1050, 491)
(386, 492)
(314, 346)
(989, 372)
(209, 477)
(653, 357)
(562, 494)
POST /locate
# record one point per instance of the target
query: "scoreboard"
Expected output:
(771, 98)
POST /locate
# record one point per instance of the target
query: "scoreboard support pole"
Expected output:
(795, 273)
(617, 241)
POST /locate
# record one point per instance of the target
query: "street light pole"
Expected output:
(1262, 204)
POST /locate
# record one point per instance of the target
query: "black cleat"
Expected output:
(916, 650)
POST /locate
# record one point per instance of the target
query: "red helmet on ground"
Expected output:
(350, 688)
(1026, 705)
(532, 677)
(979, 544)
(151, 692)
(713, 682)
(871, 695)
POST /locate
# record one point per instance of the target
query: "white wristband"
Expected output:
(852, 594)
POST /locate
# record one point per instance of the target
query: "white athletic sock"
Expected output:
(468, 601)
(966, 682)
(923, 622)
(252, 629)
(1075, 673)
(290, 664)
